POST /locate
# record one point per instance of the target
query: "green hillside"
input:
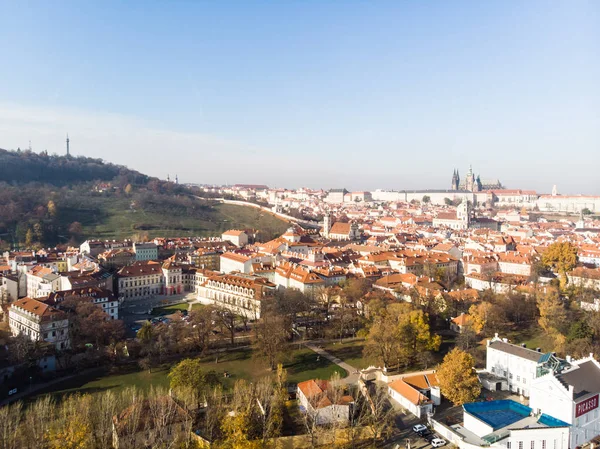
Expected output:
(116, 219)
(47, 200)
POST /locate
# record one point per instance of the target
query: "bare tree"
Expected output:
(380, 418)
(36, 421)
(215, 411)
(270, 400)
(228, 320)
(129, 421)
(10, 418)
(104, 407)
(270, 337)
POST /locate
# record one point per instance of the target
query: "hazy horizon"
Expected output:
(363, 96)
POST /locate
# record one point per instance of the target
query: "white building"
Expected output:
(570, 391)
(289, 275)
(238, 238)
(41, 281)
(145, 251)
(418, 394)
(505, 424)
(459, 219)
(242, 263)
(560, 390)
(319, 401)
(516, 364)
(39, 322)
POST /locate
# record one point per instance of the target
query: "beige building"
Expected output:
(238, 238)
(140, 280)
(39, 322)
(242, 294)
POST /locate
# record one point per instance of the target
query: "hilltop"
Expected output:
(48, 199)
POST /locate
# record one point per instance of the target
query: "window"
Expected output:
(543, 444)
(532, 444)
(510, 376)
(508, 445)
(520, 445)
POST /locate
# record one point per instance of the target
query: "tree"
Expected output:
(426, 359)
(10, 419)
(270, 335)
(228, 320)
(146, 333)
(29, 238)
(201, 323)
(379, 416)
(479, 314)
(553, 316)
(467, 339)
(561, 257)
(426, 199)
(580, 330)
(76, 229)
(51, 208)
(399, 334)
(383, 341)
(271, 396)
(457, 378)
(189, 374)
(448, 202)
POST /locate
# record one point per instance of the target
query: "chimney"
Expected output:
(523, 345)
(569, 359)
(487, 342)
(538, 349)
(505, 340)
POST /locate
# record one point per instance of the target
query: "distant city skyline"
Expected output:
(391, 95)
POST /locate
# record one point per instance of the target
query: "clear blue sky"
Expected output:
(323, 94)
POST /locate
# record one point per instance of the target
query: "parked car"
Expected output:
(438, 442)
(419, 428)
(424, 433)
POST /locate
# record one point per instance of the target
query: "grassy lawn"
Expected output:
(170, 309)
(301, 364)
(350, 351)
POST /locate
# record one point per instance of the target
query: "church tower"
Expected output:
(326, 225)
(463, 213)
(470, 181)
(455, 180)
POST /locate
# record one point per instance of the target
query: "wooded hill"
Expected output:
(48, 199)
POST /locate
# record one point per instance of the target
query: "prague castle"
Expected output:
(472, 183)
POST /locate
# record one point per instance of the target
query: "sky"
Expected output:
(322, 94)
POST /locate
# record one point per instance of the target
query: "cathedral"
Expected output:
(472, 183)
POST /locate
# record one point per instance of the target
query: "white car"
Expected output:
(438, 442)
(419, 428)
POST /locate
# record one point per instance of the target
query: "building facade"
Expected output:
(241, 294)
(39, 322)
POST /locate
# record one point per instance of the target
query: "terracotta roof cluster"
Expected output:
(317, 392)
(44, 311)
(140, 269)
